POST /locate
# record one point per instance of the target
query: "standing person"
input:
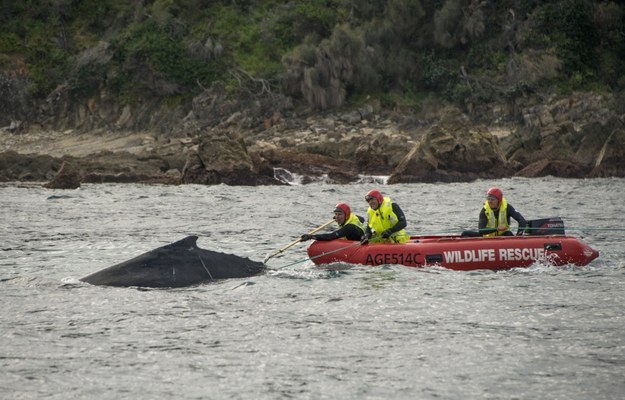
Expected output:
(351, 226)
(495, 216)
(386, 220)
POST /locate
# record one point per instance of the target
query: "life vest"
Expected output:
(493, 222)
(354, 220)
(384, 218)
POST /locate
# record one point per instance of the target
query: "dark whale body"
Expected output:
(178, 264)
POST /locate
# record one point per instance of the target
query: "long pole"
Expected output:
(293, 243)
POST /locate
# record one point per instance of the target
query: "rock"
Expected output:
(570, 137)
(171, 177)
(558, 168)
(370, 157)
(195, 172)
(450, 154)
(220, 158)
(266, 174)
(609, 160)
(28, 167)
(341, 177)
(310, 165)
(351, 118)
(225, 156)
(66, 178)
(238, 139)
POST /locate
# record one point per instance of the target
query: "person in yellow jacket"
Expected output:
(351, 226)
(495, 216)
(386, 221)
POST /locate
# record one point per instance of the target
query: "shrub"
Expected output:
(145, 45)
(569, 26)
(438, 73)
(329, 71)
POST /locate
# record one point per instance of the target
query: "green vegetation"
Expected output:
(327, 53)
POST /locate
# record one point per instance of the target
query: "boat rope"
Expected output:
(566, 228)
(207, 271)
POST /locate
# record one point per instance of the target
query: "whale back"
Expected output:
(177, 264)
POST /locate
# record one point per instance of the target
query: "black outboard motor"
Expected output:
(545, 226)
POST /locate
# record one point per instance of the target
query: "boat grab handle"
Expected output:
(433, 258)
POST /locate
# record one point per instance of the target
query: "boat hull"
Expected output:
(458, 253)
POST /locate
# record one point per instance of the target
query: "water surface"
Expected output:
(300, 331)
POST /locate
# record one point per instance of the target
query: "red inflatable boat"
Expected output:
(458, 253)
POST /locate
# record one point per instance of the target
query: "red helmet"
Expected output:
(376, 195)
(345, 208)
(496, 193)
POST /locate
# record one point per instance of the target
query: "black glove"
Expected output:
(387, 234)
(365, 238)
(305, 237)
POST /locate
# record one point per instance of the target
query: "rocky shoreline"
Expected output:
(579, 136)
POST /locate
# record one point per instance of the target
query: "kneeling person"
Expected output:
(494, 219)
(351, 226)
(386, 219)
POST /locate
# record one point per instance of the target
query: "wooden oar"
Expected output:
(293, 243)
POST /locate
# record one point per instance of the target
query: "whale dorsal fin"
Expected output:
(188, 242)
